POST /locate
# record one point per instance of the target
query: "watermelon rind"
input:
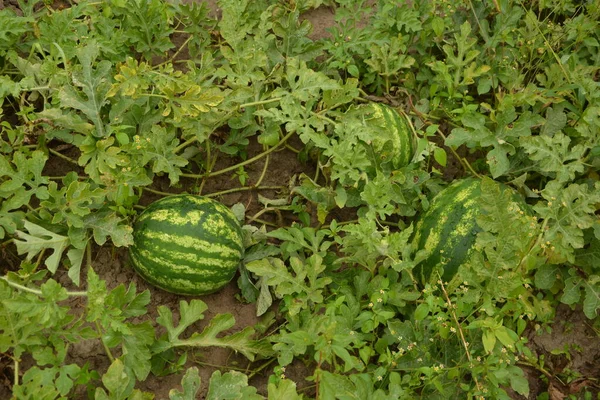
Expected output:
(391, 136)
(186, 244)
(447, 231)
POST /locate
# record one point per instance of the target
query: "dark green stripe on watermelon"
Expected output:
(448, 229)
(187, 245)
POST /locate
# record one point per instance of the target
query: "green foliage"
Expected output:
(192, 312)
(122, 99)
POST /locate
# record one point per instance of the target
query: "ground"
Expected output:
(570, 346)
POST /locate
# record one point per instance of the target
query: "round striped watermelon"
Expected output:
(187, 244)
(389, 133)
(448, 229)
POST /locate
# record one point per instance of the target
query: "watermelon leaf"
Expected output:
(285, 389)
(555, 155)
(39, 239)
(240, 341)
(189, 313)
(265, 300)
(118, 383)
(249, 290)
(518, 381)
(297, 292)
(591, 303)
(24, 181)
(569, 210)
(231, 385)
(507, 237)
(194, 311)
(191, 385)
(106, 224)
(94, 84)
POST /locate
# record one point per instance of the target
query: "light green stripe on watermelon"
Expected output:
(174, 217)
(184, 263)
(205, 247)
(187, 284)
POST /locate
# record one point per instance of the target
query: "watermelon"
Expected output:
(388, 132)
(186, 244)
(448, 229)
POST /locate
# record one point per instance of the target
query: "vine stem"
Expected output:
(536, 367)
(221, 366)
(264, 171)
(108, 352)
(172, 58)
(462, 160)
(35, 291)
(261, 212)
(290, 148)
(60, 155)
(243, 189)
(260, 102)
(460, 331)
(243, 163)
(16, 372)
(267, 223)
(216, 194)
(537, 242)
(211, 161)
(475, 15)
(88, 251)
(156, 191)
(256, 371)
(547, 43)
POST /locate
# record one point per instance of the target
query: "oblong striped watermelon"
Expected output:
(186, 244)
(448, 229)
(390, 133)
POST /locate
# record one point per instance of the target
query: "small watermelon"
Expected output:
(448, 229)
(186, 244)
(388, 132)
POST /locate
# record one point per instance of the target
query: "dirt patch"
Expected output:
(565, 363)
(570, 353)
(321, 19)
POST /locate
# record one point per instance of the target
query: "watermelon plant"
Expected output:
(416, 188)
(187, 245)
